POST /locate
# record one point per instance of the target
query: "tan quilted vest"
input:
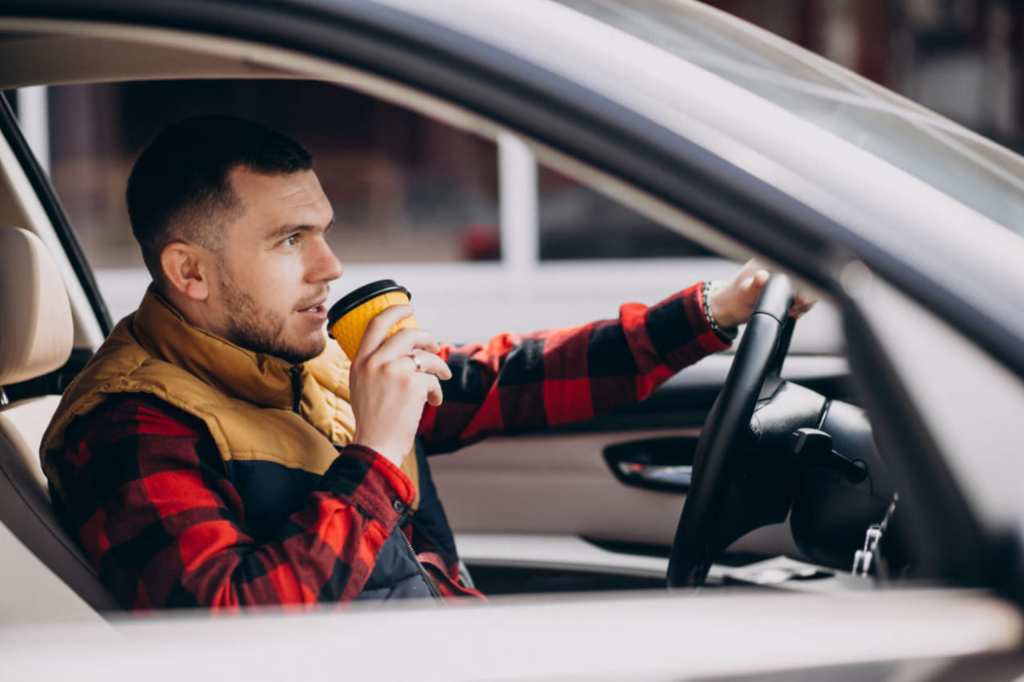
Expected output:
(244, 398)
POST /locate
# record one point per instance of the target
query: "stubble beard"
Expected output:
(261, 331)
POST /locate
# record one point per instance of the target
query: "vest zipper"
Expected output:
(296, 373)
(434, 592)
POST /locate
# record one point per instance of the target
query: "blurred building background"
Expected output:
(408, 189)
(958, 57)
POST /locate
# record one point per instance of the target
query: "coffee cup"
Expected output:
(349, 316)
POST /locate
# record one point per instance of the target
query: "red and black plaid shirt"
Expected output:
(146, 491)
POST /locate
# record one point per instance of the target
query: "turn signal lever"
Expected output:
(814, 447)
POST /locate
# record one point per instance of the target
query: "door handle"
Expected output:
(664, 464)
(677, 476)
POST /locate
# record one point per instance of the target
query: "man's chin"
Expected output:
(296, 353)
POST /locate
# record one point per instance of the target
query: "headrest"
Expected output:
(36, 329)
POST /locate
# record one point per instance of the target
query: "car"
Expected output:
(851, 481)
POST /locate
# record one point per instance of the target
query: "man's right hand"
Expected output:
(387, 390)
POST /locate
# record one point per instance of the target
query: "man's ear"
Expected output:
(184, 270)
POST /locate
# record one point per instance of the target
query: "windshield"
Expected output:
(975, 171)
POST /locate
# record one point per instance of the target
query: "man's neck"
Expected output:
(196, 313)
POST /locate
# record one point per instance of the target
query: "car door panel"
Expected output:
(560, 484)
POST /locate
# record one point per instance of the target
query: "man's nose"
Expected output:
(324, 266)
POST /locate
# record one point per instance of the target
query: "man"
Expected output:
(218, 452)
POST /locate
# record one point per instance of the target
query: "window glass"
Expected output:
(969, 168)
(404, 188)
(579, 223)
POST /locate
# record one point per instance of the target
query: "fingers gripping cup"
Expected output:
(347, 319)
(346, 323)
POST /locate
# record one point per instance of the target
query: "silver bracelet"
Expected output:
(724, 334)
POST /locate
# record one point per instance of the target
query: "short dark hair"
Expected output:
(179, 186)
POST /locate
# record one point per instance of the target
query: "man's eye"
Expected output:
(292, 240)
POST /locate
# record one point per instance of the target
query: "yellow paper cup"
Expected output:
(347, 319)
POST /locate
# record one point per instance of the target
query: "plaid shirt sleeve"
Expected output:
(550, 378)
(145, 488)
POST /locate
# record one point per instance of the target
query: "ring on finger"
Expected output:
(416, 361)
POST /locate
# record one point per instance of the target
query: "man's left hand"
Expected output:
(732, 301)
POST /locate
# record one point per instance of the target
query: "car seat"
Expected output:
(36, 338)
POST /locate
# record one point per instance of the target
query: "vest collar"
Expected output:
(257, 378)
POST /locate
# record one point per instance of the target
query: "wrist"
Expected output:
(721, 318)
(718, 311)
(386, 450)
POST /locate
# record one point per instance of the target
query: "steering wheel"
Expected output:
(756, 366)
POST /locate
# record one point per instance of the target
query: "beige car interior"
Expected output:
(36, 334)
(544, 486)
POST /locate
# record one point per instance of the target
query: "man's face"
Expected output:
(275, 266)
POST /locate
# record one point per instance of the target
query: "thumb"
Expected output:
(753, 284)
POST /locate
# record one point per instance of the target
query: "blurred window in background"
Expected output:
(579, 223)
(404, 188)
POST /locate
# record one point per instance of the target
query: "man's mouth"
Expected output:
(319, 309)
